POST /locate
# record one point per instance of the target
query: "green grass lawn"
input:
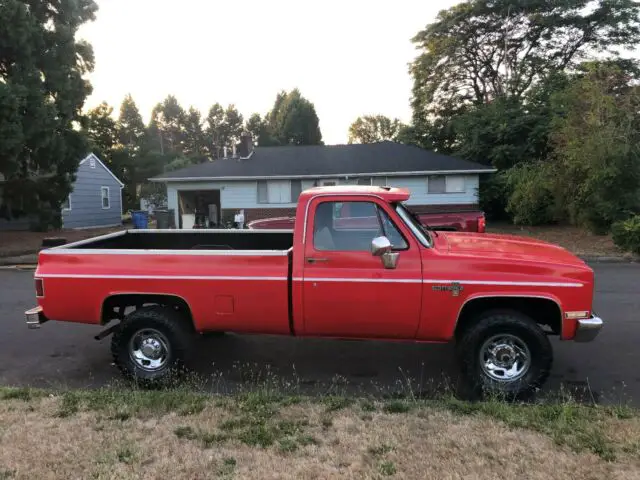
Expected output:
(131, 433)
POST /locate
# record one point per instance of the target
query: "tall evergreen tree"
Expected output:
(293, 120)
(194, 139)
(224, 128)
(131, 129)
(101, 129)
(42, 91)
(214, 131)
(169, 118)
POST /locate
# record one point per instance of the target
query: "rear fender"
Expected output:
(135, 299)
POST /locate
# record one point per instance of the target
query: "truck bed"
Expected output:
(189, 240)
(232, 280)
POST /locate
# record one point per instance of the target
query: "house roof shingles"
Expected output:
(383, 158)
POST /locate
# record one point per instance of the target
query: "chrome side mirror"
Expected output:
(381, 247)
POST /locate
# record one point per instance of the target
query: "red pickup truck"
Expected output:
(498, 297)
(472, 221)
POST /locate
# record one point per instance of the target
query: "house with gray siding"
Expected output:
(96, 198)
(265, 182)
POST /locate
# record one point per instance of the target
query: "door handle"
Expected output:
(316, 259)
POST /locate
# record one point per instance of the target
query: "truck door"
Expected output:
(347, 292)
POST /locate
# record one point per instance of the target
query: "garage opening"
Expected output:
(199, 209)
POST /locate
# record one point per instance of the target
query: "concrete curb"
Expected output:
(19, 260)
(608, 259)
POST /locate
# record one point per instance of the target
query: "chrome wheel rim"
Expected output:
(505, 358)
(149, 349)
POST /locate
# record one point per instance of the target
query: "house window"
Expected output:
(276, 191)
(262, 192)
(364, 181)
(296, 189)
(455, 184)
(379, 181)
(436, 185)
(106, 201)
(446, 184)
(279, 191)
(92, 162)
(66, 205)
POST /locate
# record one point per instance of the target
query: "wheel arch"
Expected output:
(544, 310)
(122, 300)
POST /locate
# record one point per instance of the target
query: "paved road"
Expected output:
(66, 355)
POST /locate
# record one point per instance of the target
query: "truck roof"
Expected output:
(389, 194)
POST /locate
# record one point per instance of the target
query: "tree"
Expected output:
(127, 157)
(194, 139)
(167, 126)
(131, 129)
(479, 50)
(101, 130)
(596, 135)
(256, 127)
(293, 120)
(374, 128)
(232, 126)
(224, 128)
(214, 130)
(42, 91)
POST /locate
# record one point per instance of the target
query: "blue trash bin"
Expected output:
(140, 219)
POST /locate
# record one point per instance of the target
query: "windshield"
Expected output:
(414, 224)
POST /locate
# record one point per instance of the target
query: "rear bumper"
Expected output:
(35, 317)
(588, 329)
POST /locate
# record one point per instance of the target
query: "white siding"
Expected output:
(232, 194)
(244, 194)
(420, 195)
(307, 184)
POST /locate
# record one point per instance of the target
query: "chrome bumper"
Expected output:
(588, 329)
(35, 317)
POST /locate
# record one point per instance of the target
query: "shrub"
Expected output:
(531, 201)
(492, 195)
(626, 234)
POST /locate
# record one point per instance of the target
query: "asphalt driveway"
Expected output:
(66, 355)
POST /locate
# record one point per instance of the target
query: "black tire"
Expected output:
(165, 326)
(518, 329)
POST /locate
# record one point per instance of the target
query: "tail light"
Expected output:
(39, 288)
(482, 224)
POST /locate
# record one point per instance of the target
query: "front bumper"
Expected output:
(588, 329)
(35, 317)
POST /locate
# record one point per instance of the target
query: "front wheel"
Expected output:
(151, 345)
(505, 353)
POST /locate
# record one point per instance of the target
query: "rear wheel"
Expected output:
(505, 353)
(151, 345)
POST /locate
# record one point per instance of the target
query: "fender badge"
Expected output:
(455, 288)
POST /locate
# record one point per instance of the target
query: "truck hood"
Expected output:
(508, 246)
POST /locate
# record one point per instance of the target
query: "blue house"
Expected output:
(96, 198)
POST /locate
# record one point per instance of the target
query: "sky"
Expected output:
(348, 57)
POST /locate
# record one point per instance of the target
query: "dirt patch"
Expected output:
(574, 239)
(134, 435)
(25, 243)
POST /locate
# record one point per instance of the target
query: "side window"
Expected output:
(350, 226)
